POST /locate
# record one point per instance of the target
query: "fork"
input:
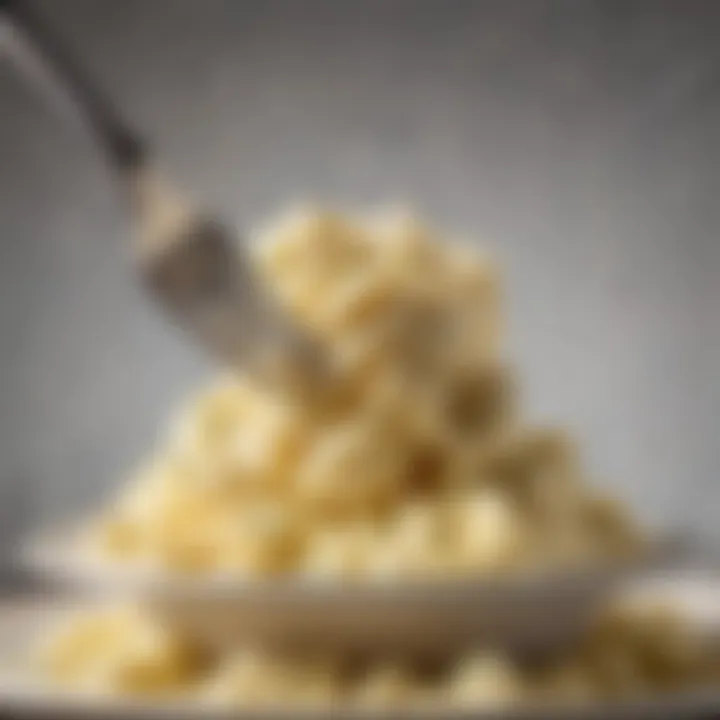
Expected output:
(191, 262)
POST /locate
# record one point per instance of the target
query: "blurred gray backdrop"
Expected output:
(579, 140)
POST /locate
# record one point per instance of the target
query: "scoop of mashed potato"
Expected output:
(413, 459)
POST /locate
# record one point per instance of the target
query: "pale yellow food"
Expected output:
(412, 461)
(124, 653)
(118, 651)
(485, 681)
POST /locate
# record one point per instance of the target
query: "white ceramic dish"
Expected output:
(697, 595)
(522, 610)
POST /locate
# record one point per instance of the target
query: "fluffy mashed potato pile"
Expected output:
(413, 461)
(124, 653)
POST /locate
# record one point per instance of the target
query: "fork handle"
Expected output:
(48, 64)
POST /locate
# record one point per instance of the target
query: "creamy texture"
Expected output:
(413, 459)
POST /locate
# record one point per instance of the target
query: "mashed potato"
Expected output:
(412, 460)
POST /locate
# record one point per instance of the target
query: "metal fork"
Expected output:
(190, 262)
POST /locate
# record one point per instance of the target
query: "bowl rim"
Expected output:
(54, 558)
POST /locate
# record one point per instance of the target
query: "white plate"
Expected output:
(522, 610)
(21, 623)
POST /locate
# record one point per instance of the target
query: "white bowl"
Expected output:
(520, 611)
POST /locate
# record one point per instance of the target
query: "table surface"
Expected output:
(578, 140)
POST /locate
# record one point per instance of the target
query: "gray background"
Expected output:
(579, 140)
